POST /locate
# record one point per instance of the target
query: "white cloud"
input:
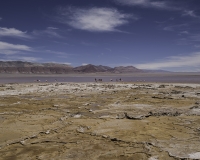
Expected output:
(12, 32)
(175, 27)
(15, 51)
(88, 43)
(197, 46)
(55, 62)
(134, 2)
(147, 4)
(190, 13)
(109, 49)
(66, 63)
(49, 32)
(8, 48)
(184, 32)
(29, 59)
(22, 58)
(52, 28)
(63, 43)
(84, 64)
(190, 61)
(0, 18)
(195, 37)
(56, 52)
(93, 19)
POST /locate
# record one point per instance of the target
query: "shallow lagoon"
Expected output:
(137, 77)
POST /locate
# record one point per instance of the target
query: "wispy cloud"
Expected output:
(190, 13)
(197, 46)
(22, 58)
(0, 18)
(84, 64)
(56, 52)
(148, 4)
(52, 28)
(189, 39)
(88, 44)
(29, 59)
(11, 49)
(195, 37)
(190, 61)
(49, 32)
(109, 49)
(93, 19)
(175, 27)
(184, 32)
(9, 46)
(64, 43)
(12, 32)
(12, 52)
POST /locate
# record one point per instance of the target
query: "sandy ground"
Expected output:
(104, 121)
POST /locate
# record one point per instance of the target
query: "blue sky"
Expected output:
(148, 34)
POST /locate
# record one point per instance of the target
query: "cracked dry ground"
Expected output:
(102, 121)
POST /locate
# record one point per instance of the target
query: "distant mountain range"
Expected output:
(93, 69)
(56, 68)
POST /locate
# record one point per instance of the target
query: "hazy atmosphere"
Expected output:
(147, 34)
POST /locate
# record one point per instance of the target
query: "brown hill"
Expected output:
(92, 69)
(34, 68)
(56, 68)
(128, 69)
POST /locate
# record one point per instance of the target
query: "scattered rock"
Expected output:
(114, 139)
(80, 130)
(165, 113)
(162, 86)
(120, 116)
(195, 107)
(195, 155)
(63, 118)
(176, 92)
(77, 116)
(118, 102)
(47, 132)
(153, 158)
(86, 104)
(135, 117)
(184, 87)
(33, 136)
(22, 142)
(104, 117)
(93, 134)
(161, 97)
(104, 136)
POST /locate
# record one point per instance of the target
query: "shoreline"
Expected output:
(137, 77)
(104, 74)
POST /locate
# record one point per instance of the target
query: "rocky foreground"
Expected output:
(104, 121)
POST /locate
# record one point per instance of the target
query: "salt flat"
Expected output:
(112, 120)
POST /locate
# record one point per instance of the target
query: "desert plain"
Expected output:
(99, 121)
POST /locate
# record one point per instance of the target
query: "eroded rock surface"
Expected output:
(104, 121)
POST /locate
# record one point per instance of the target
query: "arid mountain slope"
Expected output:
(55, 68)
